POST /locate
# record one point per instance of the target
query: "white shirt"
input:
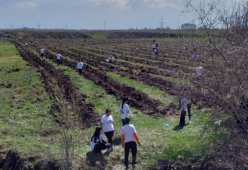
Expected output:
(184, 101)
(107, 60)
(26, 44)
(42, 51)
(58, 56)
(93, 144)
(107, 123)
(125, 111)
(80, 65)
(128, 130)
(198, 71)
(153, 46)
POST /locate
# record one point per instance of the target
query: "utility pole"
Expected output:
(161, 23)
(104, 25)
(38, 25)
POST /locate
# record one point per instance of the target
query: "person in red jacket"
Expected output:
(129, 138)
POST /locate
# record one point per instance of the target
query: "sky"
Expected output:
(91, 14)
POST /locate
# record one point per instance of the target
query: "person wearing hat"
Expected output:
(128, 140)
(107, 122)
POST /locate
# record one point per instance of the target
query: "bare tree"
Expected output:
(225, 59)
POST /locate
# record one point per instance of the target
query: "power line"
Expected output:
(38, 25)
(161, 23)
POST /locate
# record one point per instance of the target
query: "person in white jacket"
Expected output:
(80, 66)
(42, 52)
(97, 142)
(198, 71)
(58, 58)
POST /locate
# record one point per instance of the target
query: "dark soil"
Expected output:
(86, 115)
(137, 99)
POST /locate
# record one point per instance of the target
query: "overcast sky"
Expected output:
(91, 14)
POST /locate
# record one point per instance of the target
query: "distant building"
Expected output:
(188, 26)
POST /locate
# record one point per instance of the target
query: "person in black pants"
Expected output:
(107, 122)
(97, 142)
(129, 138)
(184, 105)
(124, 110)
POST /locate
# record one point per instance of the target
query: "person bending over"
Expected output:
(97, 142)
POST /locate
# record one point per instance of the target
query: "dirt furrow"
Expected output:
(84, 114)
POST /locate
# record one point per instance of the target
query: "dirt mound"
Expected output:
(12, 161)
(47, 163)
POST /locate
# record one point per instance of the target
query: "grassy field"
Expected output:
(25, 104)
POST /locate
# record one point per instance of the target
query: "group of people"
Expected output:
(195, 56)
(110, 59)
(186, 46)
(80, 64)
(185, 100)
(129, 135)
(155, 48)
(31, 41)
(58, 56)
